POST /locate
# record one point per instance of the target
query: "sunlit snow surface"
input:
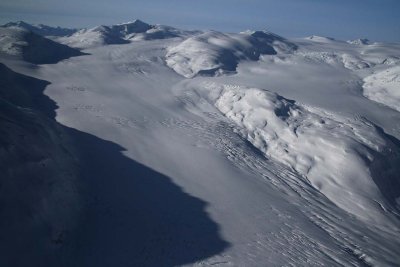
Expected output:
(383, 87)
(295, 151)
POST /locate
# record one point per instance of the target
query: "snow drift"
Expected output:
(213, 53)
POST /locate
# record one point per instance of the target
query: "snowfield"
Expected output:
(383, 87)
(186, 148)
(337, 155)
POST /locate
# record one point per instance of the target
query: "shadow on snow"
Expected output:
(130, 215)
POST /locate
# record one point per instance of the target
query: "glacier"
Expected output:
(146, 145)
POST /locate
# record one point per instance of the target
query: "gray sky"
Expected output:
(343, 19)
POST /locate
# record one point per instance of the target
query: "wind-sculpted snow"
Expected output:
(335, 154)
(384, 87)
(214, 53)
(33, 48)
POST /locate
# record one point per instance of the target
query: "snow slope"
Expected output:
(214, 53)
(33, 48)
(338, 156)
(384, 87)
(284, 162)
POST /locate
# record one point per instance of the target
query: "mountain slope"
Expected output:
(213, 53)
(120, 34)
(384, 87)
(336, 155)
(33, 48)
(283, 162)
(39, 192)
(41, 29)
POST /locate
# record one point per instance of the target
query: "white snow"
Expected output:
(361, 41)
(121, 33)
(285, 157)
(331, 152)
(20, 43)
(384, 87)
(215, 53)
(96, 36)
(321, 39)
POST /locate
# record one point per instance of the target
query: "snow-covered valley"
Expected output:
(189, 148)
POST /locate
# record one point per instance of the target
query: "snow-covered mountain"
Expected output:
(314, 144)
(361, 41)
(33, 48)
(213, 52)
(121, 34)
(167, 147)
(41, 29)
(102, 35)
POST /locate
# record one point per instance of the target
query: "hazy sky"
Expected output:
(343, 19)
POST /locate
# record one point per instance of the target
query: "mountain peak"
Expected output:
(136, 26)
(134, 22)
(16, 23)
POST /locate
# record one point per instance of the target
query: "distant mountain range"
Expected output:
(101, 35)
(41, 29)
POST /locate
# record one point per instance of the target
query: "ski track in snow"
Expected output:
(269, 212)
